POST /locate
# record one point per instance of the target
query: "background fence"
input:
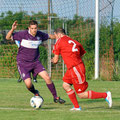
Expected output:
(77, 17)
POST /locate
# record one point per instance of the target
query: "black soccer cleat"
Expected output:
(19, 80)
(58, 99)
(35, 80)
(37, 93)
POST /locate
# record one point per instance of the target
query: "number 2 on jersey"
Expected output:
(74, 45)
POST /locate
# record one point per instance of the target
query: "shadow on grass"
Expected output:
(96, 100)
(116, 108)
(89, 101)
(50, 108)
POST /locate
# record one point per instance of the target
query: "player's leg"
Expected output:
(72, 96)
(20, 79)
(51, 86)
(40, 70)
(35, 78)
(31, 87)
(34, 75)
(97, 95)
(67, 82)
(25, 75)
(80, 90)
(79, 75)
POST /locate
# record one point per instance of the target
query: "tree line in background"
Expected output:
(79, 28)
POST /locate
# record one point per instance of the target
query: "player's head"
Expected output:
(59, 32)
(33, 27)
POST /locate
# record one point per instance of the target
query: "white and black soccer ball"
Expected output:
(36, 102)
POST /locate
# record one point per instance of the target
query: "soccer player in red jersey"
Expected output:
(72, 52)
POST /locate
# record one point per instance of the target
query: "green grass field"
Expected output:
(14, 102)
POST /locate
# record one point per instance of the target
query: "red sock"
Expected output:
(96, 95)
(73, 98)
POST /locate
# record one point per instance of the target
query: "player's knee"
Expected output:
(66, 86)
(48, 80)
(63, 87)
(81, 95)
(28, 82)
(47, 77)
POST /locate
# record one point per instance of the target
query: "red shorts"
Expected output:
(76, 77)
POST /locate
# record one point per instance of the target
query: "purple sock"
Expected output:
(52, 89)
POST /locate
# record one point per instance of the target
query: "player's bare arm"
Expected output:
(9, 34)
(52, 36)
(55, 59)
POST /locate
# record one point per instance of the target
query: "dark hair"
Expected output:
(60, 30)
(33, 22)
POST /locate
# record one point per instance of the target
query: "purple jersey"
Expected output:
(28, 50)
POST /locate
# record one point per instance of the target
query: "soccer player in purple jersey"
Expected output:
(28, 56)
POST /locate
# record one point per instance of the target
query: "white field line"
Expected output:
(43, 109)
(10, 108)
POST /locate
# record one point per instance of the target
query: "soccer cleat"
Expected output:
(109, 99)
(35, 80)
(58, 99)
(19, 80)
(76, 109)
(37, 93)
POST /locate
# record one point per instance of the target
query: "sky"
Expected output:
(64, 8)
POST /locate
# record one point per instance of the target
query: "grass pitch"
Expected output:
(14, 102)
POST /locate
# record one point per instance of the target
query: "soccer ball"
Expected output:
(36, 102)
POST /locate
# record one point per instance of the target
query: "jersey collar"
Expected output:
(30, 33)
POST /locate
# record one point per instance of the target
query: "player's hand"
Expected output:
(14, 25)
(55, 59)
(52, 60)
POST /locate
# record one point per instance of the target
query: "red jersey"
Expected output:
(70, 50)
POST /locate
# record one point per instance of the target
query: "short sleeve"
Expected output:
(82, 51)
(56, 49)
(17, 36)
(44, 36)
